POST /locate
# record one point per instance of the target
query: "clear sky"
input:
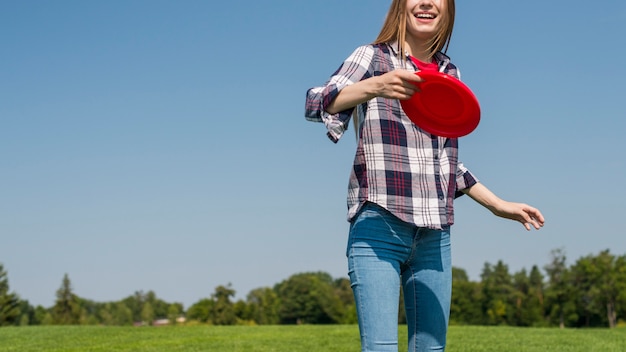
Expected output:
(161, 145)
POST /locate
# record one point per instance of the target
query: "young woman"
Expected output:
(403, 181)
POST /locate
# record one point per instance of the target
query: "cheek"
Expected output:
(442, 5)
(412, 3)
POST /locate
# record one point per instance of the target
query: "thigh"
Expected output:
(376, 288)
(427, 284)
(377, 246)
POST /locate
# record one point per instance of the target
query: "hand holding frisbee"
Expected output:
(445, 106)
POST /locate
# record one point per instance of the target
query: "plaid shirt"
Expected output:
(413, 174)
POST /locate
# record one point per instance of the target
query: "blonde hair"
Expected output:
(394, 28)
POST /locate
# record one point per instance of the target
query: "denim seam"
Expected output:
(357, 278)
(415, 310)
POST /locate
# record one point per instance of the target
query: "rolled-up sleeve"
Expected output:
(354, 69)
(464, 179)
(318, 99)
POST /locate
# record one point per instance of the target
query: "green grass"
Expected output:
(307, 338)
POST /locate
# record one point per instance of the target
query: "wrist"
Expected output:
(373, 87)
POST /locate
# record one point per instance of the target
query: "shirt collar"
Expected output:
(442, 59)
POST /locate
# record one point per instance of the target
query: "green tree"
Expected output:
(465, 295)
(497, 293)
(147, 313)
(558, 293)
(583, 280)
(136, 303)
(66, 309)
(243, 312)
(173, 312)
(201, 311)
(604, 276)
(42, 316)
(528, 294)
(24, 320)
(114, 314)
(123, 316)
(105, 314)
(27, 314)
(309, 298)
(621, 299)
(343, 290)
(9, 302)
(264, 306)
(90, 311)
(535, 312)
(47, 319)
(223, 312)
(465, 306)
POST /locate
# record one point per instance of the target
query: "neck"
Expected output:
(418, 49)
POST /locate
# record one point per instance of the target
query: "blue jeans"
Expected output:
(383, 254)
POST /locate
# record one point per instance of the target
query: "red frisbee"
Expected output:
(445, 106)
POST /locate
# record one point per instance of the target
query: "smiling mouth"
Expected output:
(426, 16)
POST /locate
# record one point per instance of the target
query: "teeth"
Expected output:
(424, 15)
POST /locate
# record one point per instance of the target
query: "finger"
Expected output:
(536, 217)
(528, 221)
(534, 212)
(539, 217)
(408, 92)
(411, 89)
(538, 222)
(412, 77)
(415, 78)
(535, 223)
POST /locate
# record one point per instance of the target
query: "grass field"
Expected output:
(309, 338)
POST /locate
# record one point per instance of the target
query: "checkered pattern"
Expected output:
(411, 173)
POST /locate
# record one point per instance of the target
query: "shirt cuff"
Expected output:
(338, 123)
(465, 181)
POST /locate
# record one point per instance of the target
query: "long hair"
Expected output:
(394, 28)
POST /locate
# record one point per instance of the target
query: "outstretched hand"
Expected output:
(521, 212)
(524, 213)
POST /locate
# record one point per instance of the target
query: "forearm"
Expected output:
(483, 196)
(521, 212)
(353, 95)
(397, 84)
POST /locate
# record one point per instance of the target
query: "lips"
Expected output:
(425, 16)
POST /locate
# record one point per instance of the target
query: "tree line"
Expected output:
(589, 293)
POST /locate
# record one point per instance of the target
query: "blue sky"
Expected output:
(161, 145)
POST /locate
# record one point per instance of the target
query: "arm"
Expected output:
(397, 84)
(523, 213)
(352, 84)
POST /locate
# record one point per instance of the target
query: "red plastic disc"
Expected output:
(445, 106)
